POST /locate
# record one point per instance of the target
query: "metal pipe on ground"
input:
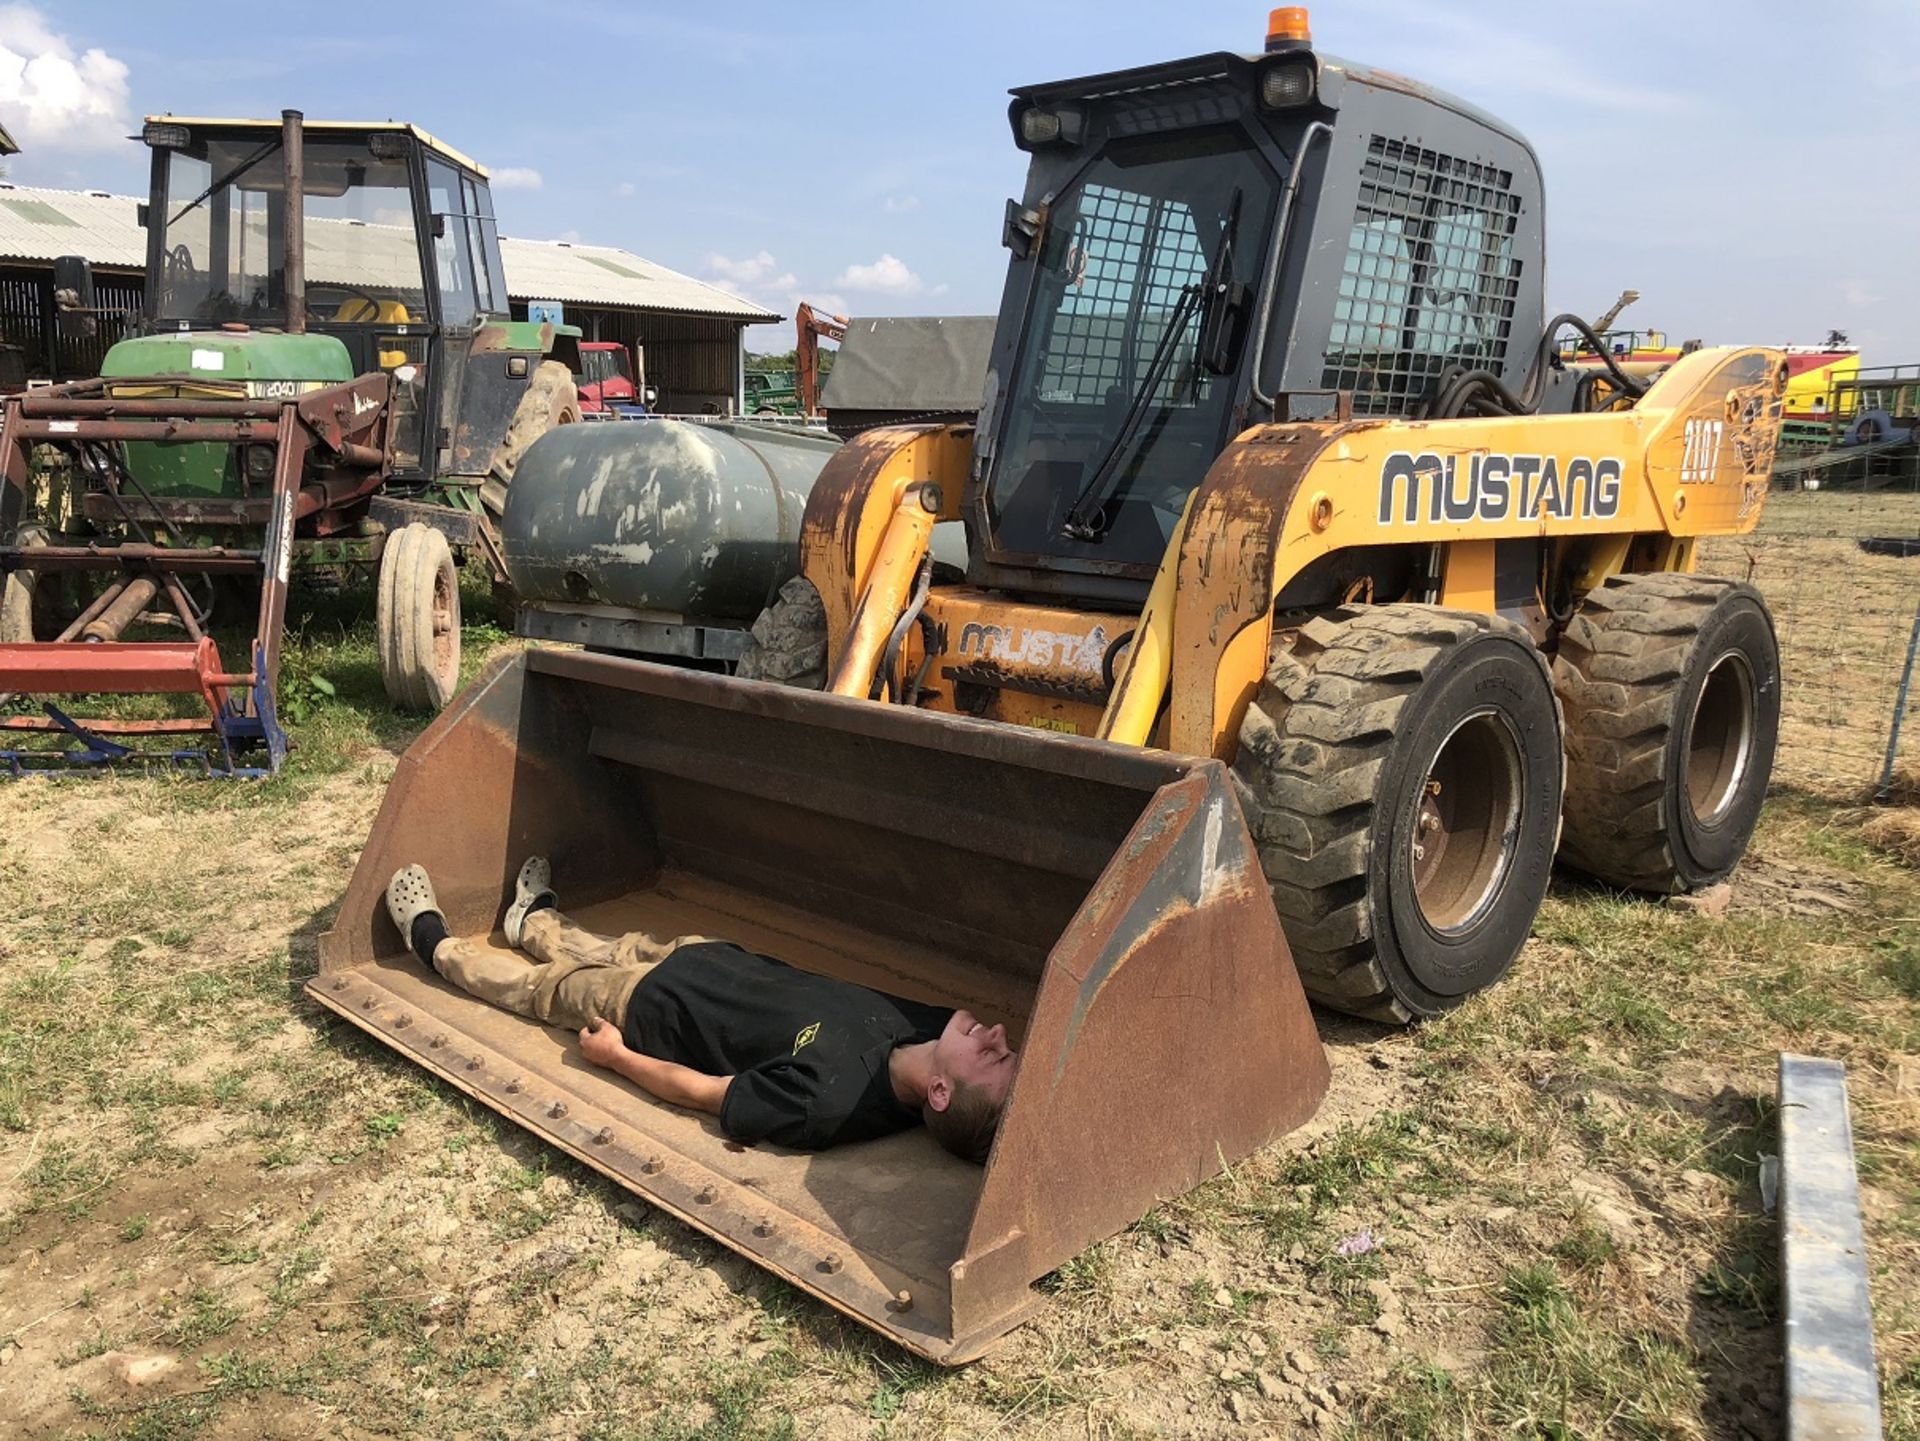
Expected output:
(1105, 902)
(1832, 1384)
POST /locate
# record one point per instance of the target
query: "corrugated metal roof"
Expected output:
(911, 362)
(607, 275)
(40, 224)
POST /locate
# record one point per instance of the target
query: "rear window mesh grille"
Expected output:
(1430, 276)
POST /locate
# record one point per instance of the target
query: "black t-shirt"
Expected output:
(808, 1054)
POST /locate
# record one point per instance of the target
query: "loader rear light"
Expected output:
(1036, 128)
(1287, 85)
(1287, 26)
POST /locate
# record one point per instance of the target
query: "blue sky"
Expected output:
(1746, 167)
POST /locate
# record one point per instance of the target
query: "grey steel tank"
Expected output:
(661, 515)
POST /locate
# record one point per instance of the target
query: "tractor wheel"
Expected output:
(1401, 769)
(29, 604)
(417, 619)
(1671, 685)
(550, 400)
(790, 639)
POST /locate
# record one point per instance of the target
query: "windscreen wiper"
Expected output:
(1087, 518)
(232, 175)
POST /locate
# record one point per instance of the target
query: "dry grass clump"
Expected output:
(1895, 830)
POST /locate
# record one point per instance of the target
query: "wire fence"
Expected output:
(1837, 557)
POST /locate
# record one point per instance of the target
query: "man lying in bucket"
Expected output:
(778, 1054)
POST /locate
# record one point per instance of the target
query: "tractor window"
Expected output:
(597, 365)
(363, 248)
(1113, 330)
(452, 249)
(1430, 276)
(222, 244)
(466, 252)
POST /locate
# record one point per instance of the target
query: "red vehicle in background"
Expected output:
(606, 381)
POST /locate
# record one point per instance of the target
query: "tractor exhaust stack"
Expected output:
(293, 198)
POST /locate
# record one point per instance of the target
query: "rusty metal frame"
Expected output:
(330, 454)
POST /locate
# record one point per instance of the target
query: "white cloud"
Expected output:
(624, 190)
(752, 272)
(53, 98)
(568, 237)
(900, 204)
(517, 177)
(888, 275)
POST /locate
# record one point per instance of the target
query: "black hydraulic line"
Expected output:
(930, 645)
(105, 458)
(1460, 391)
(890, 656)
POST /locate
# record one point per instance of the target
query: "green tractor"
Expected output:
(325, 375)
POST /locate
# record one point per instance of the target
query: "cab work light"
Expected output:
(1282, 87)
(1037, 127)
(166, 137)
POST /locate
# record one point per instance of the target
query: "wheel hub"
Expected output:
(1720, 738)
(1466, 822)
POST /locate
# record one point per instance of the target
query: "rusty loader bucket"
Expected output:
(1104, 901)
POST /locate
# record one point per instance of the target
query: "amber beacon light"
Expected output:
(1287, 26)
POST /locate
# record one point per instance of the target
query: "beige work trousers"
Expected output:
(567, 976)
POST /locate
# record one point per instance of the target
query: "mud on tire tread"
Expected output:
(1315, 747)
(550, 400)
(1619, 673)
(790, 639)
(410, 669)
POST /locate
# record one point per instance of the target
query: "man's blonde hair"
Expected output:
(968, 1124)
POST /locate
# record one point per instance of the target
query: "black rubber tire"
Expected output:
(1335, 752)
(417, 619)
(551, 400)
(1631, 671)
(789, 644)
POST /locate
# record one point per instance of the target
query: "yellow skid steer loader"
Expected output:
(1306, 599)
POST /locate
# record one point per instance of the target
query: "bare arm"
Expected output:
(677, 1085)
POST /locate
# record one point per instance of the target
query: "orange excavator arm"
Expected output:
(810, 325)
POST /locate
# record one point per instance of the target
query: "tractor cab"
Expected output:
(606, 381)
(389, 262)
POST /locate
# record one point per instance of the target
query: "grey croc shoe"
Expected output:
(409, 897)
(534, 886)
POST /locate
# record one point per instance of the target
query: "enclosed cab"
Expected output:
(1199, 238)
(394, 260)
